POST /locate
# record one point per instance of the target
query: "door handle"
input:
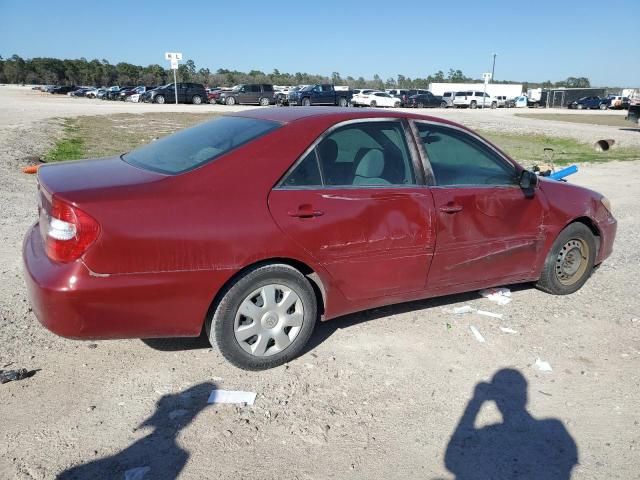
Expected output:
(451, 208)
(305, 211)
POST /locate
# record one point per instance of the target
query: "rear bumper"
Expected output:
(73, 302)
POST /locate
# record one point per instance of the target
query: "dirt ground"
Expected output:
(377, 394)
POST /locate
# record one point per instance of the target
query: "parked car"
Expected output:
(95, 92)
(374, 99)
(404, 98)
(474, 99)
(397, 92)
(231, 227)
(113, 94)
(425, 100)
(617, 102)
(447, 99)
(502, 100)
(187, 93)
(63, 89)
(249, 93)
(213, 94)
(592, 102)
(320, 94)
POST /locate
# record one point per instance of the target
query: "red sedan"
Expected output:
(255, 224)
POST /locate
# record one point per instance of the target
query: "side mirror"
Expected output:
(528, 180)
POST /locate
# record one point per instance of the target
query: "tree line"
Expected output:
(54, 71)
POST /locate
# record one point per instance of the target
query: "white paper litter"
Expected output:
(463, 310)
(501, 295)
(543, 366)
(476, 334)
(230, 396)
(489, 314)
(508, 330)
(137, 473)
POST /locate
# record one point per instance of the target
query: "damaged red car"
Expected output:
(255, 225)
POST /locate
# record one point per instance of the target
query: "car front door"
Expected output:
(488, 229)
(356, 204)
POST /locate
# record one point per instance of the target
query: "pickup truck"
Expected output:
(320, 94)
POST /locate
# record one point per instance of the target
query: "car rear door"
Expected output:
(356, 202)
(488, 229)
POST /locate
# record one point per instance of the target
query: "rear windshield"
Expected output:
(192, 147)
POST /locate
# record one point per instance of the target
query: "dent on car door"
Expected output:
(354, 203)
(488, 229)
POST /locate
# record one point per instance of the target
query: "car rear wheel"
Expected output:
(570, 261)
(264, 102)
(494, 105)
(603, 106)
(443, 104)
(396, 105)
(473, 104)
(420, 105)
(196, 99)
(306, 102)
(230, 101)
(580, 106)
(265, 318)
(159, 99)
(342, 102)
(373, 104)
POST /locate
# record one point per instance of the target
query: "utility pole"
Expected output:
(493, 69)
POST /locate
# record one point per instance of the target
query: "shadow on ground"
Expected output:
(156, 456)
(520, 447)
(324, 330)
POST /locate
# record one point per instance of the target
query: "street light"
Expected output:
(493, 69)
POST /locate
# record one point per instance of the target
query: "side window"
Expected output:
(255, 88)
(366, 154)
(306, 173)
(456, 158)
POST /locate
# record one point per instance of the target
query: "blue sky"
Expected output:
(534, 40)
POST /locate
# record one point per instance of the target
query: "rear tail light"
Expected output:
(68, 231)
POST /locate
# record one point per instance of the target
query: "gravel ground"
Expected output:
(377, 393)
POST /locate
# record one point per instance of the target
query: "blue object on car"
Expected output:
(565, 172)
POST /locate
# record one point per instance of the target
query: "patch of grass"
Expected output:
(69, 147)
(529, 149)
(591, 119)
(106, 135)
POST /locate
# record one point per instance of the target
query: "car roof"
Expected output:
(331, 114)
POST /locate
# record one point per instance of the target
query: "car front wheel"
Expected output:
(265, 318)
(159, 99)
(570, 261)
(473, 104)
(196, 99)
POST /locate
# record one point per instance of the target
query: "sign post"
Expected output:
(486, 76)
(174, 58)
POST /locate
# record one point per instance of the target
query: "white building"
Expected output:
(493, 89)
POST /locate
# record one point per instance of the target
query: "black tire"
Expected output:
(575, 239)
(196, 99)
(342, 102)
(264, 102)
(580, 106)
(396, 105)
(373, 104)
(306, 102)
(494, 105)
(420, 105)
(603, 106)
(159, 99)
(443, 104)
(473, 104)
(230, 101)
(220, 327)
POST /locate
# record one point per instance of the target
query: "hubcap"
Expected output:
(572, 261)
(268, 320)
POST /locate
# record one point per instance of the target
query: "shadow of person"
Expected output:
(157, 455)
(521, 447)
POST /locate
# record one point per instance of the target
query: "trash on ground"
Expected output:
(230, 396)
(507, 330)
(543, 366)
(31, 169)
(476, 334)
(489, 314)
(463, 310)
(137, 473)
(501, 295)
(15, 375)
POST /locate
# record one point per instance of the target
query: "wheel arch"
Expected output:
(316, 282)
(591, 225)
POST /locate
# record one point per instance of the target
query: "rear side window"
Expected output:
(195, 146)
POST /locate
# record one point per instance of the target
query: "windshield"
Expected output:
(237, 88)
(192, 147)
(307, 88)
